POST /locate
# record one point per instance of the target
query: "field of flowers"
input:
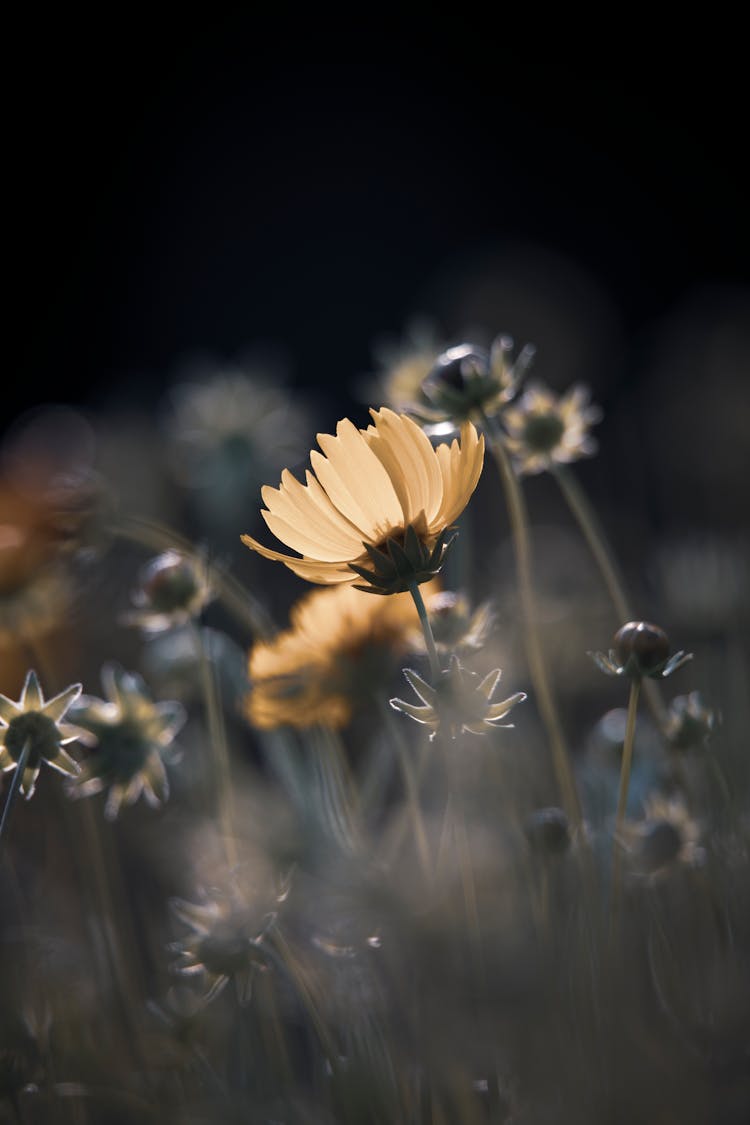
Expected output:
(379, 774)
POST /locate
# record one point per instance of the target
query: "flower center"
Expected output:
(39, 731)
(543, 432)
(225, 951)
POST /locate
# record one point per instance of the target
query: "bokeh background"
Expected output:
(293, 202)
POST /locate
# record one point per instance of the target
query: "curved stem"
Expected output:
(537, 669)
(622, 797)
(15, 785)
(597, 543)
(595, 538)
(427, 630)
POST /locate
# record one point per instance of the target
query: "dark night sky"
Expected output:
(203, 189)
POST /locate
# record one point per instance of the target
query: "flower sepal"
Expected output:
(403, 564)
(460, 701)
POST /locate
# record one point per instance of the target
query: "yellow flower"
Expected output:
(544, 428)
(341, 645)
(382, 497)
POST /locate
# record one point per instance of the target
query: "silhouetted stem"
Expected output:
(592, 532)
(622, 798)
(427, 630)
(15, 785)
(537, 669)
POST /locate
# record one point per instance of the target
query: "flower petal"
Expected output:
(310, 569)
(357, 482)
(8, 709)
(31, 696)
(295, 502)
(56, 707)
(64, 763)
(407, 455)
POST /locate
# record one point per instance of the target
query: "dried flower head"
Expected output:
(543, 429)
(640, 649)
(468, 381)
(228, 425)
(226, 940)
(173, 589)
(667, 837)
(455, 627)
(37, 724)
(460, 701)
(381, 498)
(131, 736)
(340, 649)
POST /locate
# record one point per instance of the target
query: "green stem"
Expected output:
(427, 630)
(597, 543)
(622, 798)
(522, 547)
(15, 785)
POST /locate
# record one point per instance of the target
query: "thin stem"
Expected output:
(622, 798)
(218, 740)
(596, 540)
(15, 785)
(427, 630)
(412, 775)
(522, 547)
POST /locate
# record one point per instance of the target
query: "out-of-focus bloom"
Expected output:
(35, 589)
(689, 722)
(640, 649)
(226, 431)
(226, 940)
(454, 627)
(666, 838)
(341, 647)
(469, 382)
(173, 589)
(380, 497)
(403, 367)
(544, 429)
(37, 723)
(460, 701)
(131, 736)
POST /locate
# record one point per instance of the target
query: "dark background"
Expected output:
(182, 189)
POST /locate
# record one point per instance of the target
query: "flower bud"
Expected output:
(645, 644)
(173, 589)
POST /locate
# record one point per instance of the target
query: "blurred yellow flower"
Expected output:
(381, 496)
(340, 648)
(543, 428)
